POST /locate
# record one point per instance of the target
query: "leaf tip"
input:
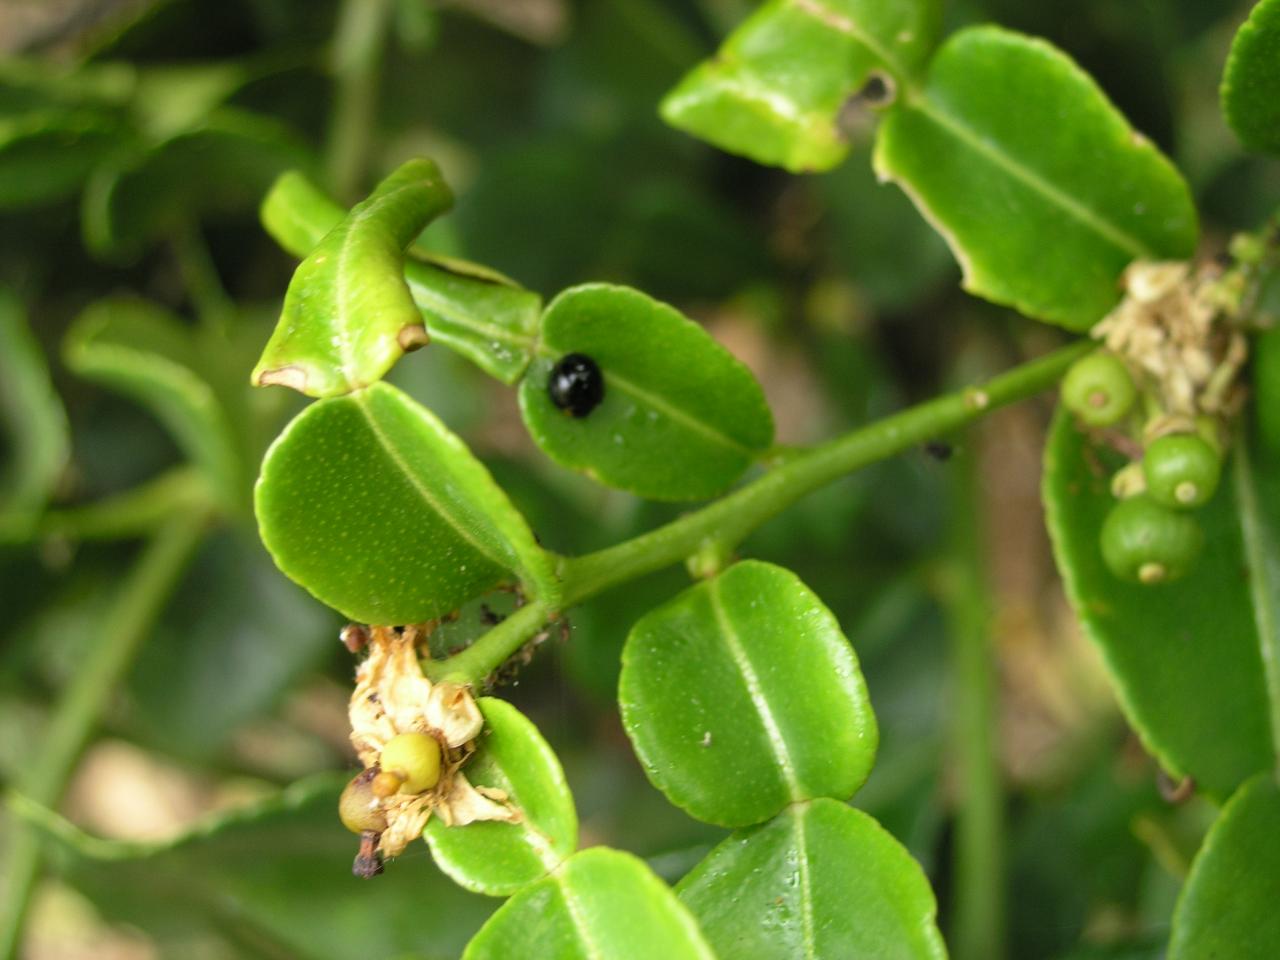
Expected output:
(291, 376)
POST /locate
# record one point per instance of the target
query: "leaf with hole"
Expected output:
(741, 695)
(1228, 905)
(141, 350)
(1010, 144)
(1184, 656)
(599, 903)
(820, 879)
(679, 419)
(369, 502)
(348, 315)
(35, 425)
(500, 858)
(1251, 81)
(776, 89)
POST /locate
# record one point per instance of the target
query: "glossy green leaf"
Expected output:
(741, 695)
(35, 425)
(1228, 905)
(777, 87)
(821, 879)
(48, 155)
(475, 311)
(277, 873)
(139, 349)
(348, 315)
(1184, 656)
(500, 858)
(369, 502)
(681, 418)
(224, 164)
(1040, 186)
(1251, 81)
(599, 903)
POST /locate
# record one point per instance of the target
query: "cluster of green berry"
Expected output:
(410, 763)
(1151, 535)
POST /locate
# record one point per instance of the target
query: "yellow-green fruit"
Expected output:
(415, 757)
(1099, 390)
(358, 807)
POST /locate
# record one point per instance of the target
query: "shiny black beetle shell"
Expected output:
(575, 384)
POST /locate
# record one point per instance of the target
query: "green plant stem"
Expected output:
(214, 306)
(1262, 565)
(357, 54)
(135, 512)
(978, 879)
(729, 520)
(141, 598)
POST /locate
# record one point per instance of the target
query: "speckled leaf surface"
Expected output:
(1251, 81)
(599, 903)
(1037, 182)
(775, 89)
(821, 879)
(500, 858)
(1183, 656)
(741, 695)
(681, 418)
(369, 502)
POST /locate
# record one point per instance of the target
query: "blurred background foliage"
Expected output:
(136, 138)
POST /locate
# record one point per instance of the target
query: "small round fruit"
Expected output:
(358, 807)
(1099, 390)
(1148, 543)
(415, 757)
(1182, 470)
(576, 385)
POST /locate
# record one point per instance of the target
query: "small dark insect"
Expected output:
(939, 449)
(576, 385)
(368, 862)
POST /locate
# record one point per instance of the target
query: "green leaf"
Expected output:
(275, 874)
(369, 502)
(48, 155)
(1184, 656)
(35, 425)
(681, 418)
(741, 695)
(599, 903)
(1228, 905)
(1040, 186)
(777, 87)
(819, 880)
(224, 164)
(468, 308)
(348, 315)
(141, 350)
(500, 858)
(1251, 81)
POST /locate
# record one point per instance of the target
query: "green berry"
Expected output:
(358, 807)
(414, 757)
(1182, 470)
(1099, 390)
(1148, 543)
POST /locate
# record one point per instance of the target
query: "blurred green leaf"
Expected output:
(225, 163)
(48, 155)
(1228, 905)
(139, 349)
(1251, 81)
(35, 424)
(777, 87)
(276, 876)
(680, 419)
(741, 695)
(1184, 656)
(819, 880)
(348, 315)
(599, 903)
(170, 99)
(500, 858)
(234, 637)
(369, 502)
(1009, 144)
